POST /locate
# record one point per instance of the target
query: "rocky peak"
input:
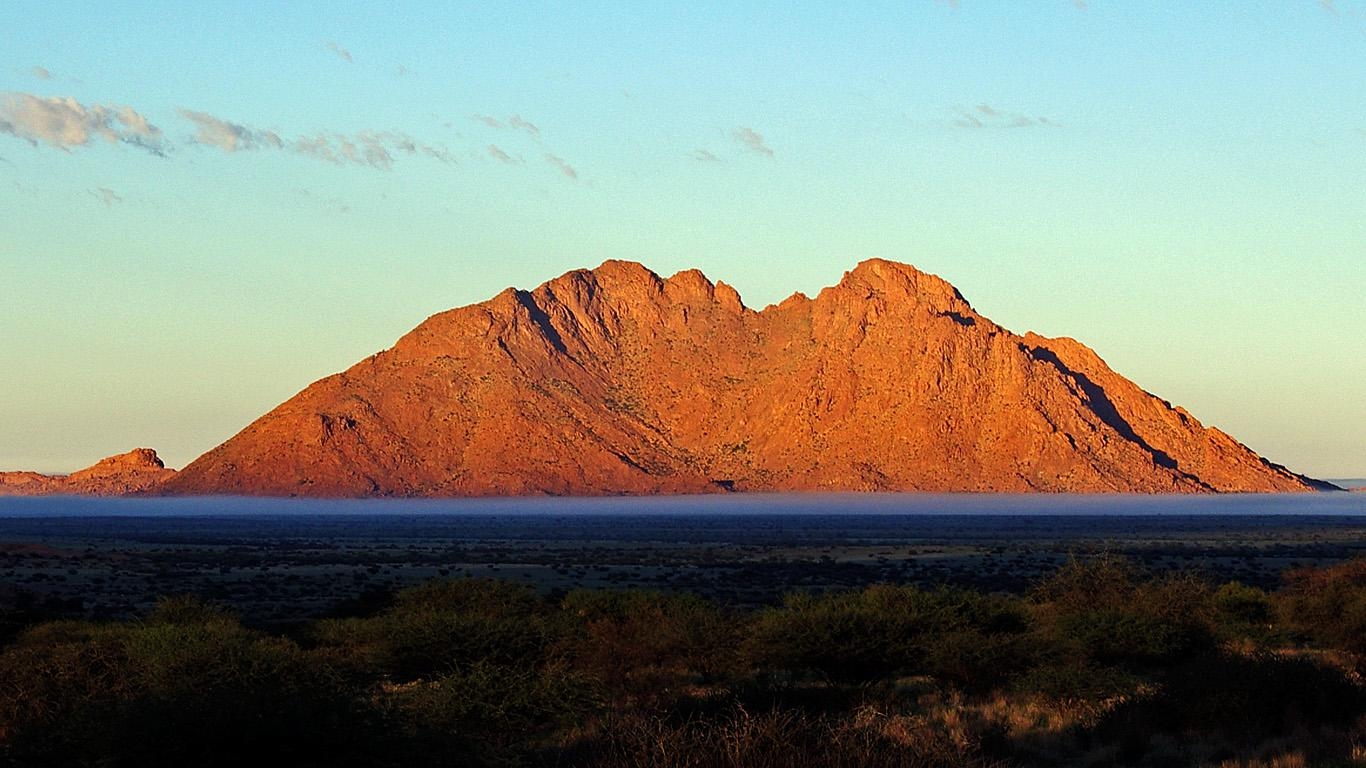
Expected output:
(615, 380)
(136, 471)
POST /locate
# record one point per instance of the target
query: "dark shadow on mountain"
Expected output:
(1103, 407)
(542, 321)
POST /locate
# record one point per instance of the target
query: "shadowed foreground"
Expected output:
(1098, 664)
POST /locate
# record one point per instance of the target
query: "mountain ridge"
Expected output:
(616, 380)
(137, 471)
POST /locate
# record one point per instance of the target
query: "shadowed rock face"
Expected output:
(616, 381)
(137, 471)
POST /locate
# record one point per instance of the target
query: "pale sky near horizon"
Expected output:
(205, 208)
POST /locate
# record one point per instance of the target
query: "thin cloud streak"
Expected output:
(986, 116)
(64, 123)
(228, 136)
(107, 196)
(41, 73)
(565, 168)
(340, 52)
(374, 149)
(498, 154)
(752, 140)
(704, 156)
(516, 123)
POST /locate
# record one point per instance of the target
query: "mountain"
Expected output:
(137, 471)
(617, 381)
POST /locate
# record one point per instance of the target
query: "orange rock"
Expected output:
(616, 381)
(137, 471)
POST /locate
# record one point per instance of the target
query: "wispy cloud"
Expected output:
(41, 73)
(565, 168)
(498, 154)
(986, 116)
(752, 140)
(229, 136)
(63, 122)
(335, 204)
(105, 195)
(705, 156)
(516, 122)
(340, 52)
(375, 149)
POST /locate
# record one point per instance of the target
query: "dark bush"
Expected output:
(1105, 612)
(187, 686)
(1327, 606)
(646, 645)
(489, 714)
(440, 626)
(968, 638)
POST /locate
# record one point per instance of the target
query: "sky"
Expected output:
(206, 207)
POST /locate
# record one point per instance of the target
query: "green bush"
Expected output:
(1104, 612)
(489, 713)
(187, 686)
(968, 638)
(645, 645)
(440, 626)
(1327, 606)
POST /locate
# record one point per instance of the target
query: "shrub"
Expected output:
(883, 631)
(439, 626)
(489, 713)
(1327, 605)
(1103, 612)
(645, 645)
(187, 686)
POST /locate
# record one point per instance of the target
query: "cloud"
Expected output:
(228, 136)
(705, 156)
(565, 168)
(41, 73)
(375, 149)
(751, 140)
(63, 122)
(498, 154)
(335, 204)
(986, 116)
(514, 123)
(341, 52)
(517, 122)
(106, 196)
(1329, 5)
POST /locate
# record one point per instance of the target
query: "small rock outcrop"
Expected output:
(138, 471)
(619, 381)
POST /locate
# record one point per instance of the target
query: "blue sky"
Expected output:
(202, 211)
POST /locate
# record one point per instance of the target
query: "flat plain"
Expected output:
(279, 562)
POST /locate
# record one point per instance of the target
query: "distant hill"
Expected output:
(137, 471)
(617, 381)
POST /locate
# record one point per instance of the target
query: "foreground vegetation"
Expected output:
(1100, 664)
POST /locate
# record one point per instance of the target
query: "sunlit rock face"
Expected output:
(618, 381)
(138, 471)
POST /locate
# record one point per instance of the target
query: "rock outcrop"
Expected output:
(138, 471)
(617, 381)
